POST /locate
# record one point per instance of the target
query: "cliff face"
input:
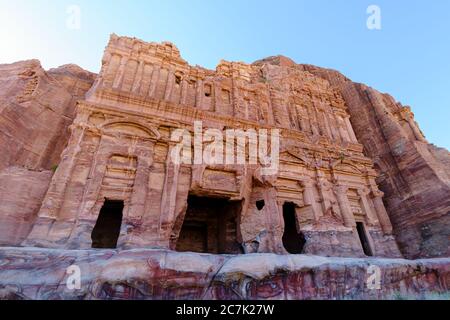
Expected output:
(414, 175)
(36, 109)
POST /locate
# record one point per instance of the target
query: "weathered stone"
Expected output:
(102, 175)
(121, 149)
(21, 194)
(36, 108)
(413, 174)
(168, 275)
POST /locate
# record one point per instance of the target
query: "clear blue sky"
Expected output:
(408, 58)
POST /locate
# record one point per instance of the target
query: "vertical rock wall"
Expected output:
(414, 175)
(36, 108)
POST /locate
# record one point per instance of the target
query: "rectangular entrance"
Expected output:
(363, 238)
(293, 240)
(107, 229)
(210, 226)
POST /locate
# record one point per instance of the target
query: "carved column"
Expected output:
(169, 86)
(55, 195)
(120, 73)
(371, 216)
(270, 120)
(169, 196)
(343, 130)
(199, 94)
(140, 188)
(334, 124)
(154, 81)
(234, 96)
(323, 190)
(313, 121)
(111, 71)
(95, 180)
(327, 125)
(310, 200)
(344, 204)
(350, 130)
(184, 92)
(138, 78)
(383, 217)
(275, 221)
(216, 96)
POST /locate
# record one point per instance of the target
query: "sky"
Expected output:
(407, 57)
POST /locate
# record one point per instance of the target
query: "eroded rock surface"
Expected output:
(36, 109)
(413, 174)
(156, 275)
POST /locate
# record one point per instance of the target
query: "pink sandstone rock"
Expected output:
(414, 175)
(158, 275)
(85, 163)
(120, 149)
(36, 108)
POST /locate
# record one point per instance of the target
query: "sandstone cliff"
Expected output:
(413, 174)
(37, 106)
(36, 109)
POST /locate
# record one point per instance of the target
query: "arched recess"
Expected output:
(132, 128)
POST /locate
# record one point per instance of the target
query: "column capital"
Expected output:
(307, 183)
(340, 188)
(363, 191)
(377, 194)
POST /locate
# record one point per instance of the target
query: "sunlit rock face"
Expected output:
(36, 109)
(413, 174)
(87, 165)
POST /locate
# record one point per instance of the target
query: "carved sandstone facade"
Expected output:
(324, 199)
(413, 174)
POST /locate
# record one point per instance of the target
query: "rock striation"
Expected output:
(36, 109)
(168, 275)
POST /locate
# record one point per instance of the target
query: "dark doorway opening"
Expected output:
(293, 240)
(210, 226)
(107, 229)
(260, 204)
(363, 238)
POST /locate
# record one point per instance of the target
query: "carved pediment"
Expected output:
(347, 168)
(297, 156)
(131, 129)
